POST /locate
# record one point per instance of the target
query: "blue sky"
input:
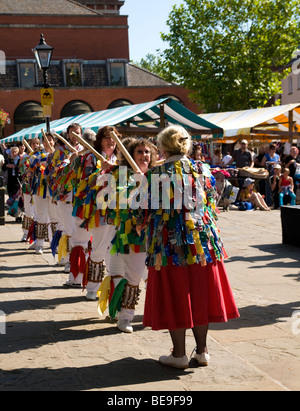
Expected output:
(146, 20)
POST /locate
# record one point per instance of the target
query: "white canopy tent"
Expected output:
(280, 121)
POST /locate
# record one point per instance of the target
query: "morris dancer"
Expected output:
(26, 178)
(65, 201)
(126, 266)
(80, 169)
(187, 283)
(44, 209)
(85, 205)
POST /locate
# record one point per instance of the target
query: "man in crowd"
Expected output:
(242, 157)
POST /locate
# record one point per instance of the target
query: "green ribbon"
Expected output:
(116, 299)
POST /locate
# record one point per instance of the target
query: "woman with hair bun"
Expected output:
(187, 282)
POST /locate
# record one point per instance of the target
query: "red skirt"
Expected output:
(184, 297)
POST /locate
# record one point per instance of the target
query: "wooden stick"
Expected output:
(128, 157)
(28, 146)
(88, 146)
(47, 141)
(160, 162)
(66, 143)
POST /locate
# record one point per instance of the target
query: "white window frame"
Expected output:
(23, 61)
(118, 61)
(72, 61)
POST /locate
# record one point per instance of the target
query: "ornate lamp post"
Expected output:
(43, 54)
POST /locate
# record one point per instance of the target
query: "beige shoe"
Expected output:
(125, 326)
(203, 359)
(181, 362)
(91, 296)
(38, 250)
(67, 268)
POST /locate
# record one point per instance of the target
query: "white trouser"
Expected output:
(102, 237)
(64, 215)
(45, 212)
(28, 209)
(80, 238)
(131, 267)
(66, 221)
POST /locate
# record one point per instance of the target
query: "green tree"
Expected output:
(229, 52)
(153, 63)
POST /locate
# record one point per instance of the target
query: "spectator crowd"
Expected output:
(281, 161)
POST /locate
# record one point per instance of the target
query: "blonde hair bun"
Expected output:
(175, 140)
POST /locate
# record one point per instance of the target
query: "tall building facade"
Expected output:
(89, 70)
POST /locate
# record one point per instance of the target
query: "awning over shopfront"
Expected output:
(148, 117)
(279, 121)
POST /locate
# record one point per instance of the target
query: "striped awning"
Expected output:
(246, 122)
(146, 115)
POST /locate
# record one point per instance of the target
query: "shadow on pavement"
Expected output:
(125, 372)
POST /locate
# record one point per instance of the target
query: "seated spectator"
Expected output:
(217, 158)
(226, 159)
(196, 153)
(270, 157)
(286, 187)
(261, 153)
(249, 194)
(291, 162)
(274, 182)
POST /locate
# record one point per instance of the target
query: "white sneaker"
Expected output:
(91, 296)
(67, 268)
(24, 238)
(203, 359)
(125, 326)
(181, 362)
(38, 250)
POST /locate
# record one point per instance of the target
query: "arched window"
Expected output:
(27, 114)
(170, 96)
(120, 103)
(75, 108)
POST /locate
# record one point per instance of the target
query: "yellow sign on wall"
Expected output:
(46, 96)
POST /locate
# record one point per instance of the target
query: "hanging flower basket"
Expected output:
(4, 117)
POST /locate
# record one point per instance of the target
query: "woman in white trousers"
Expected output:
(104, 233)
(44, 209)
(128, 261)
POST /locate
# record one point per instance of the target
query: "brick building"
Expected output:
(90, 63)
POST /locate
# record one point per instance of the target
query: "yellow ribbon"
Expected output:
(103, 294)
(62, 247)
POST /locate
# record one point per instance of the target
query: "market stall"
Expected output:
(145, 119)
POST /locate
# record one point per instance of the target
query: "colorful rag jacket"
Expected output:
(182, 231)
(68, 176)
(55, 168)
(105, 188)
(38, 164)
(26, 174)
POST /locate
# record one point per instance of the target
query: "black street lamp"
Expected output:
(43, 54)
